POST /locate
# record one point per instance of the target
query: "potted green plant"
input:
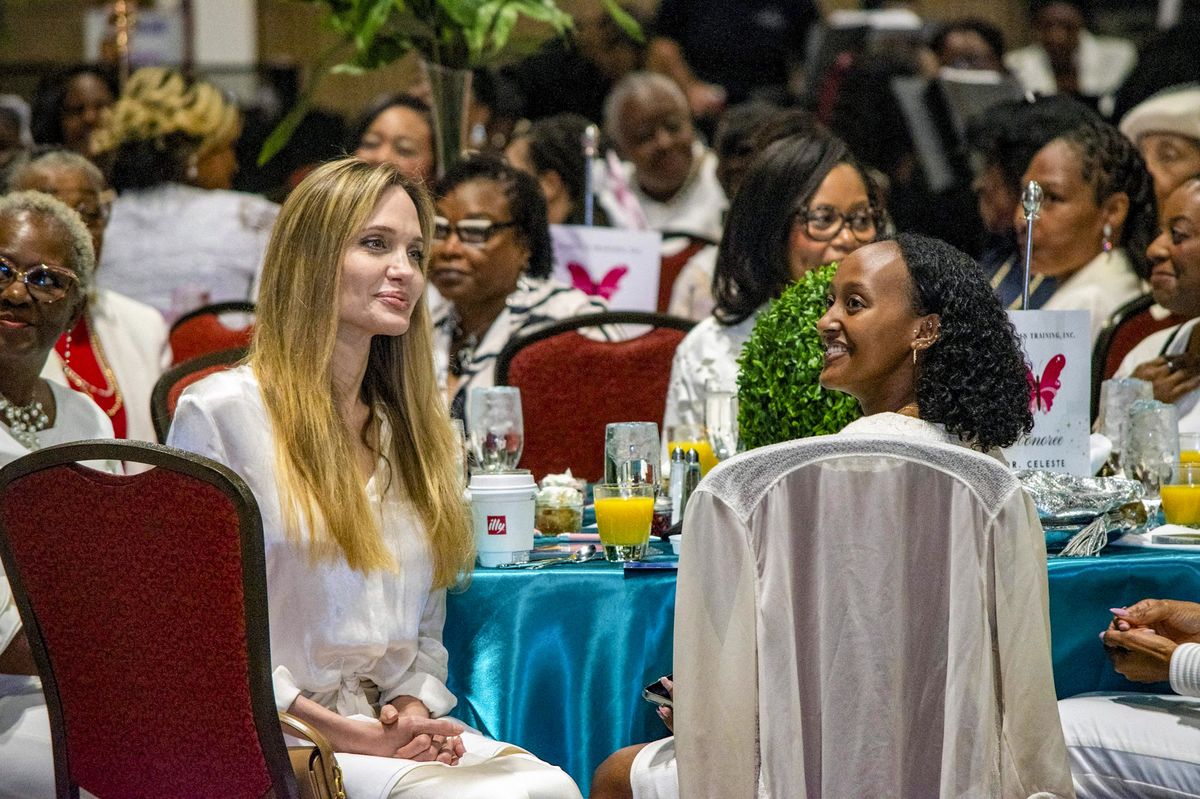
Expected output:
(452, 37)
(779, 395)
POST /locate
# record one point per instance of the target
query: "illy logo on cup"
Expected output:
(497, 525)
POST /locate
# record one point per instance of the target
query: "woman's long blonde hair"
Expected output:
(292, 356)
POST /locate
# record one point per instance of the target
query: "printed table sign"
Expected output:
(622, 266)
(1058, 352)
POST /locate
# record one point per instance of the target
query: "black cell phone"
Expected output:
(656, 694)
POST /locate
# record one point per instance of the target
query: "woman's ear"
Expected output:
(1114, 210)
(929, 327)
(552, 185)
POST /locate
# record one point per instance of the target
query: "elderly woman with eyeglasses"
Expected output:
(805, 202)
(46, 263)
(491, 263)
(118, 348)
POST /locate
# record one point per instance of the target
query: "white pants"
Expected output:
(1123, 746)
(493, 771)
(653, 774)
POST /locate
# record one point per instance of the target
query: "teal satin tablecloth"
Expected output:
(554, 660)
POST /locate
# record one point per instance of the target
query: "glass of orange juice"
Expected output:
(624, 513)
(1181, 497)
(690, 436)
(1189, 447)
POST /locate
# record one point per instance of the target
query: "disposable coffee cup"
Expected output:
(502, 514)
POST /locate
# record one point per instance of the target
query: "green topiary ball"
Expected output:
(779, 398)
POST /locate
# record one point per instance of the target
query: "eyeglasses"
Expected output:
(824, 223)
(469, 231)
(45, 283)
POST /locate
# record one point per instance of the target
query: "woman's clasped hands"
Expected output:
(1142, 637)
(411, 734)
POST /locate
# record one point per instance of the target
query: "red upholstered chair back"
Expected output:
(672, 265)
(167, 389)
(572, 386)
(202, 331)
(1127, 326)
(144, 600)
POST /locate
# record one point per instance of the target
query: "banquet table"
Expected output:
(554, 660)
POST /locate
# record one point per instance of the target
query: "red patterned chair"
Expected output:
(173, 381)
(144, 600)
(202, 331)
(1127, 326)
(572, 386)
(672, 265)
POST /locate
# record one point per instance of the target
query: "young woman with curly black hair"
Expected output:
(914, 330)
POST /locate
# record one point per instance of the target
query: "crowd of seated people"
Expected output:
(387, 283)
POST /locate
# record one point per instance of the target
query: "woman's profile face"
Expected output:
(1069, 229)
(869, 328)
(400, 135)
(83, 103)
(1175, 254)
(382, 275)
(30, 326)
(1170, 159)
(843, 193)
(476, 272)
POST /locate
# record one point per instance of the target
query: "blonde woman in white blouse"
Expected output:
(337, 427)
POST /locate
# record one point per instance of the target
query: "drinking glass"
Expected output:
(1116, 396)
(1151, 446)
(691, 436)
(631, 452)
(1181, 497)
(624, 513)
(1189, 447)
(496, 427)
(721, 421)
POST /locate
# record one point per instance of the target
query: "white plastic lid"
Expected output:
(517, 479)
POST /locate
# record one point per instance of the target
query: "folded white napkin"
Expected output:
(1100, 447)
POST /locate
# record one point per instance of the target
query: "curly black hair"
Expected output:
(972, 379)
(1112, 164)
(526, 204)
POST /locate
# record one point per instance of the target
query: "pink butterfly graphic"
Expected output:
(606, 288)
(1042, 390)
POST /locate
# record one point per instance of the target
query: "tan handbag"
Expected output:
(317, 772)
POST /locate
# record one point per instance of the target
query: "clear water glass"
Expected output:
(631, 452)
(496, 427)
(1116, 397)
(1151, 444)
(721, 422)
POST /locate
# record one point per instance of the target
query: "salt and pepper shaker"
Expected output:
(691, 478)
(678, 476)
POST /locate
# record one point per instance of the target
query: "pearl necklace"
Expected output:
(24, 421)
(81, 384)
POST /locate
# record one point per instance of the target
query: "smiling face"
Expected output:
(29, 327)
(382, 277)
(657, 136)
(402, 136)
(1171, 159)
(1175, 254)
(83, 102)
(477, 274)
(870, 329)
(1069, 229)
(843, 191)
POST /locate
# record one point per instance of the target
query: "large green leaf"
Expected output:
(377, 14)
(627, 23)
